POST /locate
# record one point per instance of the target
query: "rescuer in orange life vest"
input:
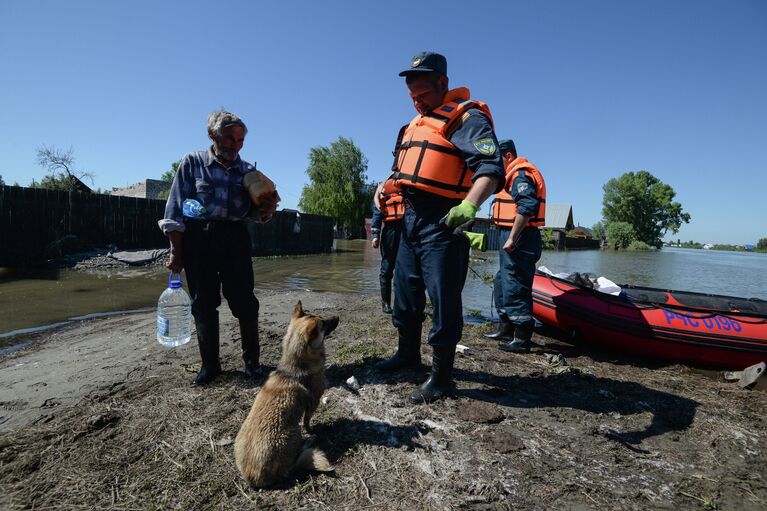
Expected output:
(385, 230)
(519, 210)
(447, 163)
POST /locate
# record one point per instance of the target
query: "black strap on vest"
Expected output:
(415, 178)
(397, 146)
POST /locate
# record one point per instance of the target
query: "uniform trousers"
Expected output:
(513, 283)
(390, 236)
(430, 258)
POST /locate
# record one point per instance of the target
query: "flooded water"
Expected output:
(51, 297)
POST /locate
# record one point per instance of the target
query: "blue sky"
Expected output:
(588, 90)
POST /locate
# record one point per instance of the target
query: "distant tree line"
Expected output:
(761, 246)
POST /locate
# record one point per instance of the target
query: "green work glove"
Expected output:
(477, 240)
(460, 214)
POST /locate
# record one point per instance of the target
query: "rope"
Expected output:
(492, 293)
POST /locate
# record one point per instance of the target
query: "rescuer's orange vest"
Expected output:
(425, 159)
(391, 201)
(504, 209)
(394, 207)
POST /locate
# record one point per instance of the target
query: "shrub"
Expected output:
(638, 245)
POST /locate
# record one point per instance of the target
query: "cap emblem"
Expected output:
(416, 62)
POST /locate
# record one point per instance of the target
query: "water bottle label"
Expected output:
(163, 326)
(193, 209)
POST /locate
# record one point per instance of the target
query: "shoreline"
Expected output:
(98, 414)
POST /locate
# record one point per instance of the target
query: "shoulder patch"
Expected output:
(521, 187)
(485, 146)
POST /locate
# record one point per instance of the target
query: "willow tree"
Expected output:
(646, 203)
(338, 184)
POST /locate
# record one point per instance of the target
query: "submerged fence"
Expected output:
(38, 224)
(561, 241)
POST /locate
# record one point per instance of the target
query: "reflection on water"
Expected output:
(51, 296)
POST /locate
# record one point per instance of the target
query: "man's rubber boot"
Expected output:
(522, 340)
(251, 347)
(505, 330)
(207, 339)
(408, 352)
(386, 296)
(440, 383)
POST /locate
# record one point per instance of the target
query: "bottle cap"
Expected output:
(174, 284)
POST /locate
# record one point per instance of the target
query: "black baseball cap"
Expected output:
(507, 146)
(426, 62)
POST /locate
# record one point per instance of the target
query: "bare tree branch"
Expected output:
(61, 167)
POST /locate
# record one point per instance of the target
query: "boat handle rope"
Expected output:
(677, 311)
(492, 293)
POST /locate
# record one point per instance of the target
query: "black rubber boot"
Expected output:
(505, 330)
(207, 339)
(386, 296)
(408, 352)
(440, 383)
(522, 340)
(251, 347)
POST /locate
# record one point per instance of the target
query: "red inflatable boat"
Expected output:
(695, 328)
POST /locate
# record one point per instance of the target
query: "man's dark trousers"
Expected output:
(430, 258)
(390, 236)
(217, 257)
(513, 283)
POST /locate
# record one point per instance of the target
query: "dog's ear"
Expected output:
(299, 310)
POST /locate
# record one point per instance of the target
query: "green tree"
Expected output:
(338, 184)
(762, 244)
(646, 203)
(2, 183)
(620, 234)
(60, 165)
(598, 230)
(168, 176)
(56, 182)
(547, 238)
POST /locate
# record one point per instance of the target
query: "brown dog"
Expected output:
(269, 445)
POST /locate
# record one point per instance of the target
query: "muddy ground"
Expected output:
(99, 416)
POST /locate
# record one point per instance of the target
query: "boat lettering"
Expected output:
(710, 322)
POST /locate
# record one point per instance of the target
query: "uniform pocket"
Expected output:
(204, 193)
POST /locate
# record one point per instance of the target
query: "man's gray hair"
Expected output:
(219, 120)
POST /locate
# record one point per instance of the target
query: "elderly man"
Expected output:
(447, 164)
(210, 242)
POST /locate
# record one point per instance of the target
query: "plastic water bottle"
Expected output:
(193, 209)
(174, 315)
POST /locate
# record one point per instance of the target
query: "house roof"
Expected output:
(559, 216)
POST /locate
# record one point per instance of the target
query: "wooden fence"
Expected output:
(562, 242)
(38, 224)
(292, 233)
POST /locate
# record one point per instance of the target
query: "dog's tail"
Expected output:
(313, 459)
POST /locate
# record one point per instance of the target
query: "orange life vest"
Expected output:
(391, 201)
(425, 159)
(394, 207)
(504, 209)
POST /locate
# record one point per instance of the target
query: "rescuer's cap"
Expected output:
(426, 62)
(507, 146)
